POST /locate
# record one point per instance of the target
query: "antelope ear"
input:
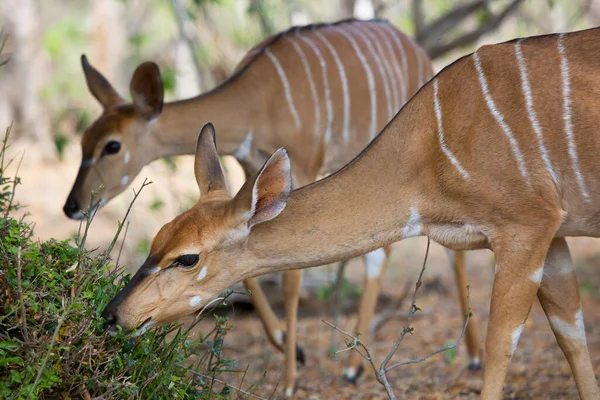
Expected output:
(147, 90)
(265, 196)
(207, 167)
(100, 88)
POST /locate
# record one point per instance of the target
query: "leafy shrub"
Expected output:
(52, 340)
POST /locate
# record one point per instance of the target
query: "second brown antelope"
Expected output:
(322, 91)
(498, 151)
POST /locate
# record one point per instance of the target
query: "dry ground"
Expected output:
(538, 369)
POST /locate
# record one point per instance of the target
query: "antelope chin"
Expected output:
(143, 328)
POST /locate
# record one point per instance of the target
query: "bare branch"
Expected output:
(439, 49)
(443, 24)
(442, 349)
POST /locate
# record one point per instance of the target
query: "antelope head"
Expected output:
(197, 255)
(119, 143)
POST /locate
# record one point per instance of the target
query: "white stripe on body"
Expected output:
(386, 84)
(438, 116)
(370, 79)
(400, 46)
(564, 68)
(343, 78)
(286, 86)
(499, 117)
(323, 65)
(531, 111)
(311, 83)
(388, 68)
(402, 81)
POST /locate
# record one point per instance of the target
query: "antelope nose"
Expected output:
(110, 318)
(71, 207)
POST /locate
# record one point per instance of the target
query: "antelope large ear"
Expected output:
(264, 197)
(100, 88)
(147, 90)
(207, 167)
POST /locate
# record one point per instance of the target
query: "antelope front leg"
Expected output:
(292, 281)
(270, 322)
(457, 261)
(376, 263)
(559, 296)
(519, 266)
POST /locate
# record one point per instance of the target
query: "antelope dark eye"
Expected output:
(186, 260)
(112, 147)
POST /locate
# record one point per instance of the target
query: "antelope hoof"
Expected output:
(352, 374)
(475, 364)
(300, 355)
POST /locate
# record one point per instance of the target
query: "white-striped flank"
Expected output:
(438, 116)
(311, 83)
(499, 117)
(286, 86)
(323, 65)
(386, 84)
(564, 68)
(388, 69)
(400, 46)
(531, 111)
(398, 77)
(370, 79)
(343, 78)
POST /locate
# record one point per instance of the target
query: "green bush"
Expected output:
(52, 340)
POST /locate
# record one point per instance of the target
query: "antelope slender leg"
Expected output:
(457, 260)
(376, 263)
(292, 280)
(270, 322)
(520, 255)
(559, 296)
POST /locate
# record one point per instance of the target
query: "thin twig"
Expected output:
(212, 378)
(122, 244)
(442, 349)
(337, 299)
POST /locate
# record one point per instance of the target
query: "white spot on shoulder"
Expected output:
(375, 262)
(568, 331)
(515, 337)
(537, 275)
(194, 301)
(202, 273)
(127, 156)
(124, 180)
(413, 226)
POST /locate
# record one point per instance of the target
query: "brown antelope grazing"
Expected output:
(322, 91)
(498, 151)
